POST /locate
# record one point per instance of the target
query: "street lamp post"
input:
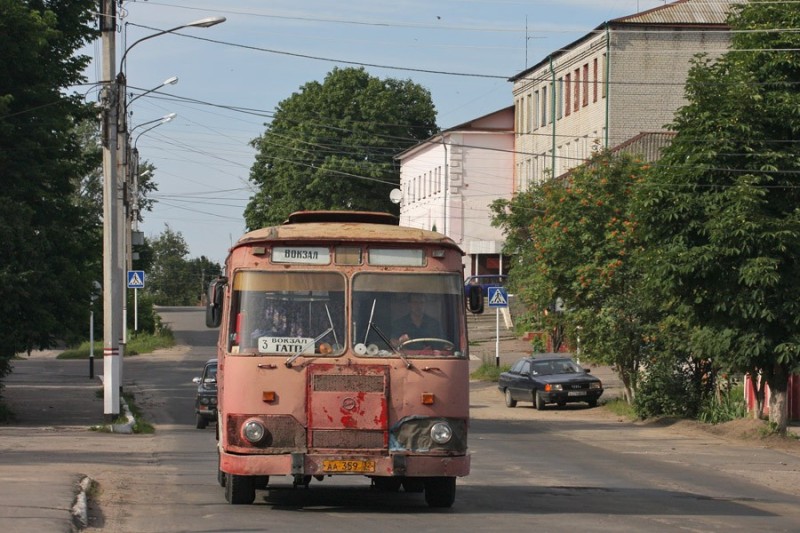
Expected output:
(115, 142)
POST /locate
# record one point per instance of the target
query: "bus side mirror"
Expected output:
(475, 299)
(216, 290)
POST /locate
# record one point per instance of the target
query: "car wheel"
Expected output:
(538, 401)
(440, 491)
(239, 490)
(201, 422)
(510, 402)
(592, 403)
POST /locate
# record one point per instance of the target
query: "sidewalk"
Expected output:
(50, 447)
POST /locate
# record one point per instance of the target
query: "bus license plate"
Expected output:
(348, 466)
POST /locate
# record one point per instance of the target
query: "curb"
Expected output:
(80, 509)
(127, 427)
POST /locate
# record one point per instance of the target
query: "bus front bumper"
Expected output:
(302, 464)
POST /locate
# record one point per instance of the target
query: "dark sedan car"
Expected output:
(549, 379)
(205, 403)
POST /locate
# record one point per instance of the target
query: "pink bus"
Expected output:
(343, 352)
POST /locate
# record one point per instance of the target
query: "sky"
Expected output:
(232, 76)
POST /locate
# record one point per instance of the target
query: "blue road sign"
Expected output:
(498, 297)
(136, 279)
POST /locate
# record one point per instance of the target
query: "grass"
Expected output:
(489, 371)
(140, 424)
(137, 344)
(620, 407)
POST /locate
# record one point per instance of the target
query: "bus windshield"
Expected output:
(287, 313)
(407, 315)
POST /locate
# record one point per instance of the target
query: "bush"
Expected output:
(489, 371)
(727, 405)
(664, 391)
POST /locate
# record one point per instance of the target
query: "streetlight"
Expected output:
(202, 23)
(169, 81)
(132, 214)
(115, 142)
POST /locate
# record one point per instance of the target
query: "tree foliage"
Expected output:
(577, 243)
(48, 251)
(332, 145)
(172, 278)
(723, 219)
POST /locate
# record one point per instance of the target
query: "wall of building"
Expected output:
(647, 72)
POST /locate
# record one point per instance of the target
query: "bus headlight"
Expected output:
(253, 431)
(441, 433)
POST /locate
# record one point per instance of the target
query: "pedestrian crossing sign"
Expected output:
(136, 279)
(498, 297)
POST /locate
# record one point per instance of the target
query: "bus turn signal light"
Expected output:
(268, 396)
(428, 398)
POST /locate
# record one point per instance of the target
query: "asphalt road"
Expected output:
(559, 470)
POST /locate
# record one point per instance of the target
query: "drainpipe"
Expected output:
(444, 213)
(608, 85)
(553, 115)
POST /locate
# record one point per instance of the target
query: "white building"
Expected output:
(624, 78)
(448, 181)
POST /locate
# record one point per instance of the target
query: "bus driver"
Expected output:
(416, 324)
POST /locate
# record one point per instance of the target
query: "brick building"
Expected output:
(624, 78)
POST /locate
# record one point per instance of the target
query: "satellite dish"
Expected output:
(395, 196)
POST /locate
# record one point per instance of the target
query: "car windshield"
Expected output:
(558, 366)
(287, 313)
(407, 315)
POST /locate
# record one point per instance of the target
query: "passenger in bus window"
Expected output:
(416, 324)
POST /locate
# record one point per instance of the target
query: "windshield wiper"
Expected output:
(291, 360)
(384, 338)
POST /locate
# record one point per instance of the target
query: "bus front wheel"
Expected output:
(440, 491)
(239, 490)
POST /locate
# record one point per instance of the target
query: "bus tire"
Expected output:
(387, 484)
(220, 474)
(239, 490)
(413, 484)
(440, 491)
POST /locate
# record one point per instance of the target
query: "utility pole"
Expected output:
(112, 276)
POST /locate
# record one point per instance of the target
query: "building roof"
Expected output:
(681, 13)
(484, 124)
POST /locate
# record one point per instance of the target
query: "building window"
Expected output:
(594, 82)
(528, 117)
(517, 112)
(534, 110)
(567, 99)
(560, 98)
(605, 76)
(544, 106)
(586, 84)
(576, 85)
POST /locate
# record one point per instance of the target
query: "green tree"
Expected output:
(332, 145)
(723, 225)
(47, 249)
(578, 272)
(172, 279)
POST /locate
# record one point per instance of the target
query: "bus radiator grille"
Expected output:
(354, 440)
(348, 383)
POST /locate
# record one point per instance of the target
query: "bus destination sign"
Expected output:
(286, 345)
(301, 255)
